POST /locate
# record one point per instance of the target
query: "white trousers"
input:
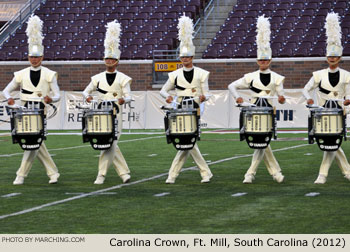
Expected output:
(115, 156)
(181, 157)
(340, 158)
(44, 158)
(270, 161)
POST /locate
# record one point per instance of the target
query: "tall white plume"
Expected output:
(333, 29)
(263, 33)
(112, 39)
(34, 30)
(185, 27)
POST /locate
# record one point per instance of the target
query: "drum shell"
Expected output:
(328, 128)
(182, 128)
(328, 122)
(28, 128)
(257, 126)
(28, 123)
(100, 128)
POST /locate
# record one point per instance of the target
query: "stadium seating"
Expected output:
(297, 28)
(75, 29)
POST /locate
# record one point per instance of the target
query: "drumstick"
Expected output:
(314, 106)
(245, 104)
(266, 97)
(15, 106)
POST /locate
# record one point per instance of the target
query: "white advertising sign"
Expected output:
(144, 112)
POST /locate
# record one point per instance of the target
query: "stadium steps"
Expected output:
(214, 22)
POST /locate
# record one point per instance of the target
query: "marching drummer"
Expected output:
(333, 84)
(35, 82)
(263, 82)
(189, 82)
(111, 85)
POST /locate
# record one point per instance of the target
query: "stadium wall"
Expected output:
(75, 75)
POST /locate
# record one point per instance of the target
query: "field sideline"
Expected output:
(148, 205)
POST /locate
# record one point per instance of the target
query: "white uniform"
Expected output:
(338, 91)
(46, 85)
(120, 88)
(197, 87)
(252, 80)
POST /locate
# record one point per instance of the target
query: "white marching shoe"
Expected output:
(278, 177)
(99, 180)
(54, 178)
(170, 180)
(125, 178)
(248, 179)
(206, 179)
(347, 176)
(19, 180)
(321, 179)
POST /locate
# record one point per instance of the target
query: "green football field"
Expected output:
(147, 205)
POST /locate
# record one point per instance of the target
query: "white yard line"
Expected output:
(80, 193)
(84, 195)
(82, 146)
(239, 194)
(10, 195)
(161, 194)
(312, 194)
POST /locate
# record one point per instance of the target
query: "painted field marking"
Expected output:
(312, 194)
(80, 193)
(308, 154)
(161, 194)
(153, 155)
(239, 194)
(82, 146)
(10, 195)
(29, 210)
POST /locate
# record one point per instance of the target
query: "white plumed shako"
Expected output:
(185, 27)
(35, 36)
(263, 38)
(112, 40)
(333, 33)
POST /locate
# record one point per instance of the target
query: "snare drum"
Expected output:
(100, 128)
(99, 122)
(28, 127)
(327, 127)
(28, 122)
(182, 128)
(182, 122)
(257, 126)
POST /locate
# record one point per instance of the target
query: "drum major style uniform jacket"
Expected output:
(327, 91)
(198, 86)
(252, 81)
(47, 84)
(120, 87)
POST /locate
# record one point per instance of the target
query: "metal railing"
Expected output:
(21, 16)
(202, 22)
